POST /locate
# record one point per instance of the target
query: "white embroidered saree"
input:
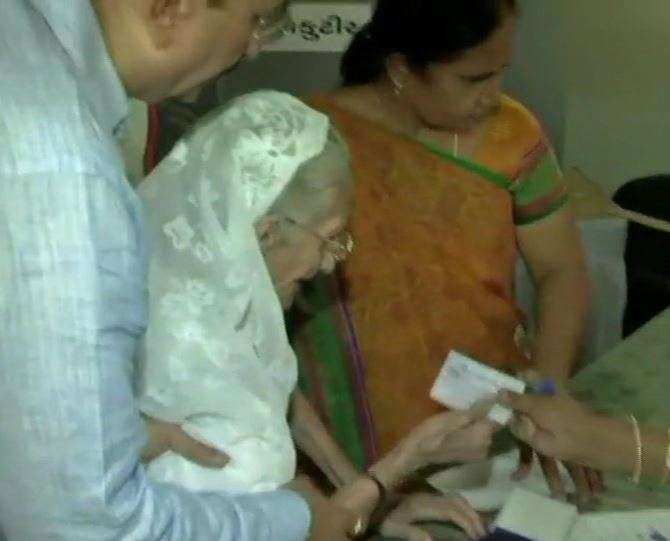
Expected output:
(216, 357)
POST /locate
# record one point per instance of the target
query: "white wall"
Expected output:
(598, 74)
(537, 76)
(618, 100)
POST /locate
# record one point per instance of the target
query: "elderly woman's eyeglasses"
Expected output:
(339, 246)
(272, 26)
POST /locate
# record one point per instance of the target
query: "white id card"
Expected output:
(464, 382)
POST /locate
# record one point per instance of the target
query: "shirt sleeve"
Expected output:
(540, 189)
(72, 308)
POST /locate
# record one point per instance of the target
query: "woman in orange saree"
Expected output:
(453, 180)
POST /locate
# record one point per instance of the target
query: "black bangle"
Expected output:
(381, 502)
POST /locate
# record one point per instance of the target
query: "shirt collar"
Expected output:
(76, 27)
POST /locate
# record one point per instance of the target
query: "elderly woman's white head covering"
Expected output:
(216, 356)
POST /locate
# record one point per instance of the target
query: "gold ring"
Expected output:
(359, 528)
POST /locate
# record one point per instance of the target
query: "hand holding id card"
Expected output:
(464, 382)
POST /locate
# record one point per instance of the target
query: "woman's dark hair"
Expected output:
(424, 31)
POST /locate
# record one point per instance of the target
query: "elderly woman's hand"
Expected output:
(332, 519)
(163, 437)
(452, 436)
(404, 521)
(448, 437)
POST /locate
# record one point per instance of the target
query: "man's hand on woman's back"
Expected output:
(164, 436)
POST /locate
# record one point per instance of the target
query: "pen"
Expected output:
(544, 387)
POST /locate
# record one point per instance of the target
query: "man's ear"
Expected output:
(268, 230)
(165, 17)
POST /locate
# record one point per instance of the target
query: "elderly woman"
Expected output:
(216, 359)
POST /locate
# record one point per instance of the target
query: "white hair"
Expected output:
(320, 185)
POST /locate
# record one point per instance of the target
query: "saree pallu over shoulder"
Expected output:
(432, 272)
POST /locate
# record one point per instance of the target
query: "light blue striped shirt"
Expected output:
(73, 300)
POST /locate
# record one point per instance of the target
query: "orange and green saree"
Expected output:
(432, 272)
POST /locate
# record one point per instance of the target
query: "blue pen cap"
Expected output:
(545, 387)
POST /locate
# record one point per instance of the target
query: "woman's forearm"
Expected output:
(312, 437)
(394, 467)
(355, 491)
(562, 307)
(363, 495)
(611, 446)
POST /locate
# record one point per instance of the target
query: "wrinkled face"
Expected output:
(459, 95)
(296, 252)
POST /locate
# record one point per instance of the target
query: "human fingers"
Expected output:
(183, 444)
(552, 475)
(584, 495)
(526, 457)
(465, 516)
(596, 480)
(522, 403)
(403, 530)
(439, 508)
(524, 429)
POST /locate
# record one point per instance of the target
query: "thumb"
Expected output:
(524, 429)
(481, 409)
(184, 445)
(527, 431)
(454, 420)
(522, 403)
